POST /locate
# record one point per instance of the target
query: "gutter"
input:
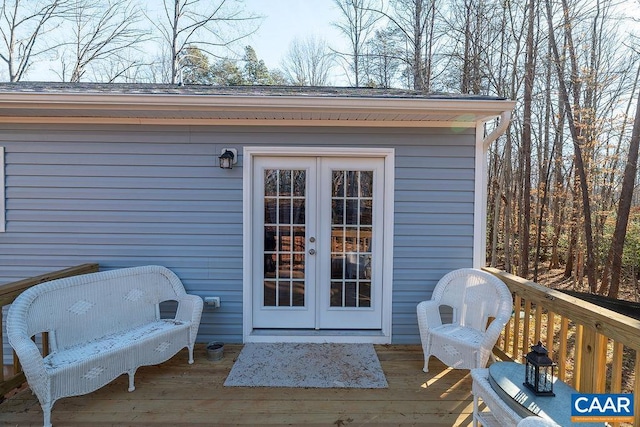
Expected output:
(505, 119)
(136, 101)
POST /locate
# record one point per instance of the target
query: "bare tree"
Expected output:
(308, 62)
(206, 23)
(416, 19)
(572, 112)
(383, 58)
(530, 70)
(127, 68)
(22, 25)
(359, 19)
(102, 32)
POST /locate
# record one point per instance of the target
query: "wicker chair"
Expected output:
(467, 342)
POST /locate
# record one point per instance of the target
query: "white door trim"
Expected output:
(388, 154)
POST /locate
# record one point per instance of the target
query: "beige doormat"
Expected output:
(307, 365)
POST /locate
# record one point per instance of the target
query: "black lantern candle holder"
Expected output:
(539, 371)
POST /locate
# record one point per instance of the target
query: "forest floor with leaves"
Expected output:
(555, 279)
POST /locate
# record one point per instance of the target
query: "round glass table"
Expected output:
(507, 380)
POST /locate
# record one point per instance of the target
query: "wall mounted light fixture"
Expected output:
(228, 158)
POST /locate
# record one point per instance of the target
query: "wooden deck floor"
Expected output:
(176, 393)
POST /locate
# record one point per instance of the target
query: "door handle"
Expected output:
(312, 251)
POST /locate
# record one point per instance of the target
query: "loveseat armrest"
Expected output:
(32, 363)
(190, 310)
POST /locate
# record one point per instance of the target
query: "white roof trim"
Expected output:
(30, 107)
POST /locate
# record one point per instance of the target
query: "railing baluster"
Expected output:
(45, 343)
(537, 331)
(562, 348)
(616, 371)
(550, 332)
(577, 359)
(616, 368)
(516, 326)
(506, 335)
(526, 327)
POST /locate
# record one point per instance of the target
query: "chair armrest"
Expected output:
(491, 335)
(429, 314)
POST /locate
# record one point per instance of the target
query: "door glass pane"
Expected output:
(284, 210)
(298, 293)
(270, 254)
(270, 211)
(337, 211)
(352, 183)
(366, 184)
(351, 237)
(364, 294)
(298, 211)
(352, 212)
(270, 182)
(337, 181)
(366, 209)
(284, 186)
(299, 183)
(284, 238)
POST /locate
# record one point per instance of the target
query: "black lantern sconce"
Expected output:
(228, 158)
(539, 371)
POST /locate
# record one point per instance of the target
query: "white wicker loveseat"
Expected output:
(100, 326)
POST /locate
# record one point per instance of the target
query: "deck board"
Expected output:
(176, 393)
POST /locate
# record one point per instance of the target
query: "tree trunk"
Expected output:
(624, 207)
(525, 155)
(508, 197)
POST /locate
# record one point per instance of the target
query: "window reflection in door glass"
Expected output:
(284, 237)
(351, 237)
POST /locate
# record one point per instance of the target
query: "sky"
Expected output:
(284, 20)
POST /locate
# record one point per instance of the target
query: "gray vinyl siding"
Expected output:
(132, 195)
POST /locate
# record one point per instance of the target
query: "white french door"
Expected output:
(317, 230)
